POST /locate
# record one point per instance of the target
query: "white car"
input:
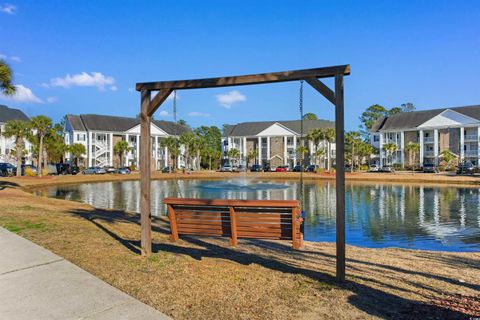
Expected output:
(226, 168)
(374, 168)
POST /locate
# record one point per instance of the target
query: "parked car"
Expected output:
(466, 168)
(7, 169)
(281, 169)
(430, 168)
(266, 168)
(226, 168)
(29, 166)
(311, 168)
(94, 170)
(168, 169)
(66, 168)
(123, 170)
(256, 168)
(298, 168)
(374, 168)
(110, 169)
(388, 169)
(240, 168)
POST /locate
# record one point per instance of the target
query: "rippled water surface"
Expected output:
(377, 215)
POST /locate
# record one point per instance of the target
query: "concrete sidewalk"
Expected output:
(37, 284)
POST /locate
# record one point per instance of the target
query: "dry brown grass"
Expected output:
(204, 278)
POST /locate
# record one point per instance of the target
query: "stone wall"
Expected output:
(276, 151)
(454, 140)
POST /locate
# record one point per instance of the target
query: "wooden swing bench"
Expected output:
(254, 219)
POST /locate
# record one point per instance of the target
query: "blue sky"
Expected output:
(86, 56)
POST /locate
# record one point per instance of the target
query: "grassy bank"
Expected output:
(204, 278)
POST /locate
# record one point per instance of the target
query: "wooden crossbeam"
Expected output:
(260, 78)
(159, 98)
(322, 88)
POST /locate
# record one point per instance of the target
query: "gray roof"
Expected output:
(406, 120)
(96, 122)
(254, 128)
(7, 114)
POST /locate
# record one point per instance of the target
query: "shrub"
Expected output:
(132, 167)
(29, 172)
(397, 166)
(363, 167)
(320, 170)
(45, 172)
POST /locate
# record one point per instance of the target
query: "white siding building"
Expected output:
(7, 145)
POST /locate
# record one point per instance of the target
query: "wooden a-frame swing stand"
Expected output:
(149, 105)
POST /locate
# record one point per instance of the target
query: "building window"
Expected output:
(376, 138)
(80, 137)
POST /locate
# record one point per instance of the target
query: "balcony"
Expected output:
(471, 153)
(429, 154)
(428, 139)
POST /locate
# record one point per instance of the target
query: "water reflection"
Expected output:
(377, 215)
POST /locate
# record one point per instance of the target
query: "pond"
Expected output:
(377, 215)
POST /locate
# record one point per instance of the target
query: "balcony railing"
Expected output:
(471, 153)
(471, 137)
(429, 153)
(428, 139)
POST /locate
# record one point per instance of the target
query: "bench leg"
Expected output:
(173, 223)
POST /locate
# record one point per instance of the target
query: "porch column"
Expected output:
(166, 160)
(285, 153)
(435, 146)
(478, 146)
(422, 147)
(137, 146)
(380, 149)
(156, 152)
(260, 150)
(310, 146)
(462, 143)
(402, 148)
(110, 161)
(127, 154)
(294, 150)
(268, 150)
(245, 151)
(89, 146)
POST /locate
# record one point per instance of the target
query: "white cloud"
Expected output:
(11, 58)
(227, 99)
(198, 114)
(163, 113)
(23, 95)
(8, 8)
(94, 79)
(131, 89)
(52, 99)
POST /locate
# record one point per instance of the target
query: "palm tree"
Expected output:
(173, 146)
(352, 140)
(329, 135)
(40, 125)
(412, 148)
(18, 129)
(252, 154)
(120, 148)
(390, 148)
(6, 76)
(320, 154)
(188, 140)
(316, 136)
(301, 152)
(77, 150)
(233, 154)
(54, 144)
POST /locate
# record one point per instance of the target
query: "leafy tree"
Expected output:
(329, 134)
(77, 150)
(120, 148)
(173, 146)
(407, 107)
(310, 116)
(413, 148)
(394, 110)
(390, 148)
(211, 144)
(18, 129)
(182, 122)
(189, 141)
(55, 146)
(6, 76)
(365, 150)
(352, 140)
(234, 154)
(40, 125)
(371, 115)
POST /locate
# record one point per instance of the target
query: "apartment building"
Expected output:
(274, 142)
(7, 145)
(100, 133)
(456, 129)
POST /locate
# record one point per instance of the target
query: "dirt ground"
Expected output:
(205, 278)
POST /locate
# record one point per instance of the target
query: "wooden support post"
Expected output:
(340, 177)
(295, 245)
(233, 227)
(173, 223)
(145, 156)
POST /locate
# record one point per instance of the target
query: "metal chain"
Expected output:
(302, 146)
